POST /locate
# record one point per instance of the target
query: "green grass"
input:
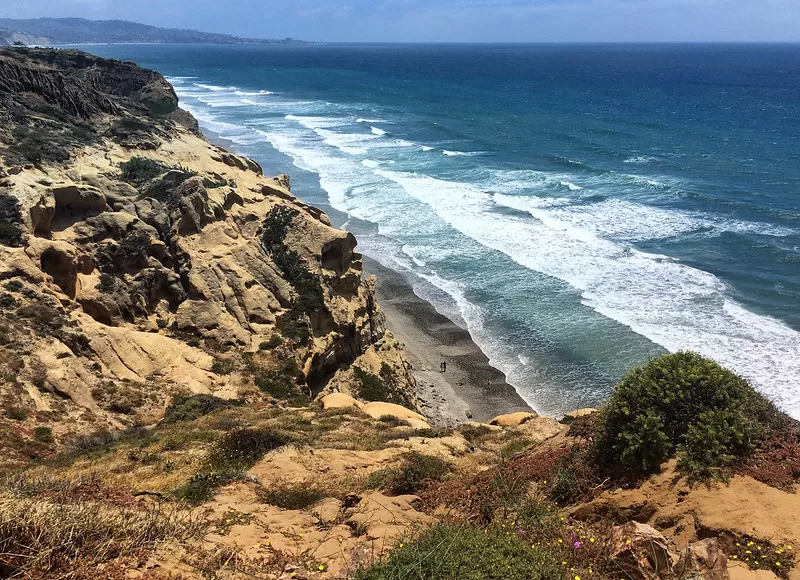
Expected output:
(449, 552)
(293, 496)
(409, 477)
(191, 407)
(234, 453)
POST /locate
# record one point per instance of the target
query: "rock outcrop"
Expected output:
(134, 262)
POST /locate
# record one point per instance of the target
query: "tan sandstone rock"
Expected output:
(641, 551)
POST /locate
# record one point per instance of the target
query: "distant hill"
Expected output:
(82, 31)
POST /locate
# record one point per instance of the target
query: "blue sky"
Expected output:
(449, 20)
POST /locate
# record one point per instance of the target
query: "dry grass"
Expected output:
(43, 539)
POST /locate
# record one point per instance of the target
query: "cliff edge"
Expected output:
(138, 262)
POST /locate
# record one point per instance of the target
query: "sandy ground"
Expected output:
(470, 389)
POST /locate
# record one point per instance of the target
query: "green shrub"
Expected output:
(217, 181)
(229, 458)
(276, 226)
(310, 299)
(16, 413)
(681, 403)
(222, 367)
(415, 470)
(295, 325)
(274, 341)
(449, 552)
(43, 434)
(281, 383)
(297, 496)
(188, 408)
(475, 433)
(139, 170)
(10, 220)
(201, 487)
(242, 448)
(383, 388)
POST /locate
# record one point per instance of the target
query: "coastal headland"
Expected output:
(200, 378)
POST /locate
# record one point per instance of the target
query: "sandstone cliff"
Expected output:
(168, 319)
(139, 261)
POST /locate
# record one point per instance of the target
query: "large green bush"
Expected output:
(682, 403)
(449, 552)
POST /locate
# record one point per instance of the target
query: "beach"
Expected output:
(471, 389)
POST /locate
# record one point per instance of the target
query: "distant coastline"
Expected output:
(79, 31)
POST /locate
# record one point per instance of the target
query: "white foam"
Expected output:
(571, 186)
(640, 159)
(352, 143)
(314, 122)
(376, 131)
(360, 120)
(252, 93)
(214, 88)
(221, 102)
(672, 304)
(450, 153)
(426, 148)
(584, 244)
(627, 221)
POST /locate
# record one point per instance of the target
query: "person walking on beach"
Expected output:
(443, 366)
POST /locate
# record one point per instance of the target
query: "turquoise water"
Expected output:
(577, 208)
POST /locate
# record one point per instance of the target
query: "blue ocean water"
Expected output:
(577, 208)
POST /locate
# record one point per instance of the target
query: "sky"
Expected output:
(449, 20)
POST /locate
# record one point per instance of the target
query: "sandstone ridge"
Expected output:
(133, 263)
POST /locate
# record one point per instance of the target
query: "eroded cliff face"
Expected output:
(139, 261)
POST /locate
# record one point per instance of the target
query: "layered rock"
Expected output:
(133, 262)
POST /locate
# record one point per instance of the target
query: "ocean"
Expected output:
(578, 208)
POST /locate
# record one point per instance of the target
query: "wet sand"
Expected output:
(470, 389)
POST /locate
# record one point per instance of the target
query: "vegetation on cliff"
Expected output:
(195, 377)
(687, 404)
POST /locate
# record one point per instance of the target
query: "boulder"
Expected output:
(284, 181)
(703, 560)
(377, 410)
(640, 551)
(58, 260)
(339, 400)
(328, 509)
(512, 419)
(42, 216)
(74, 203)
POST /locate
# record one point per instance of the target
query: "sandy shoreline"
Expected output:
(470, 389)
